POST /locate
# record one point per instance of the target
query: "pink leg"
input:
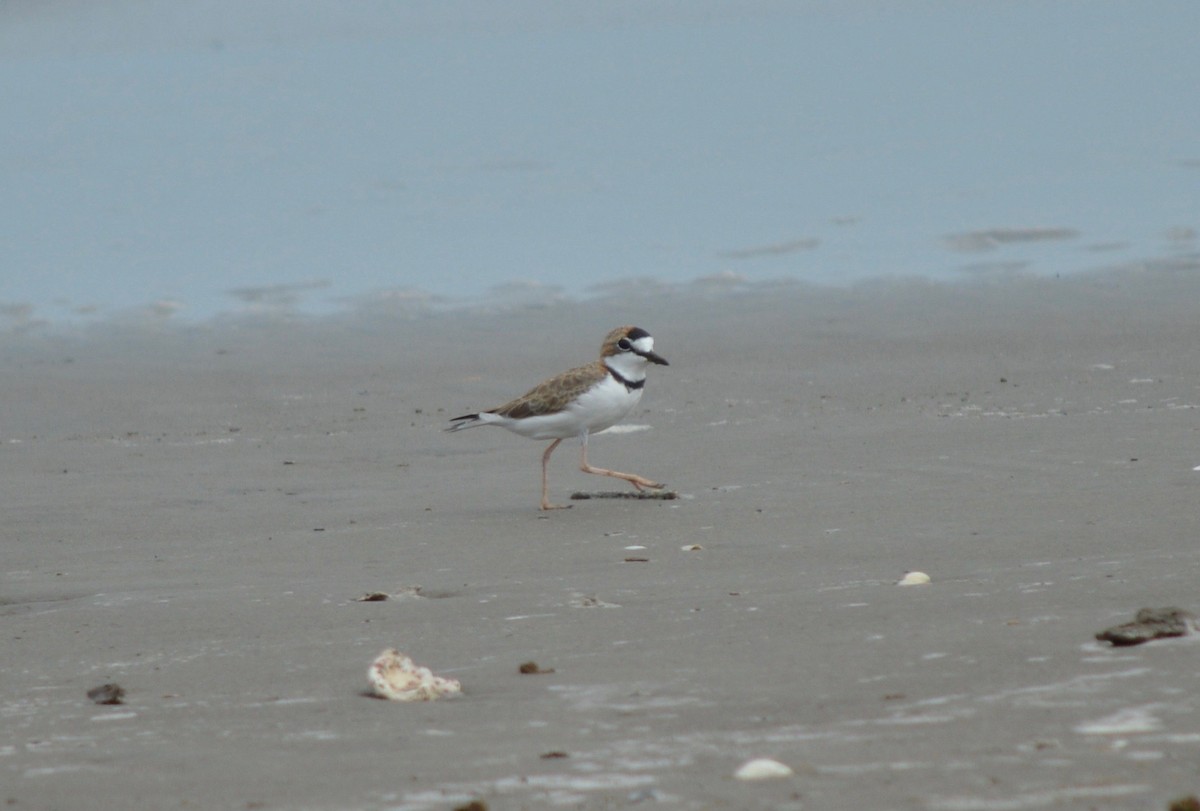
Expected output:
(640, 482)
(546, 505)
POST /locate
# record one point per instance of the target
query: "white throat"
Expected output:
(628, 365)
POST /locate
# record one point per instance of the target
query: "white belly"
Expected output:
(606, 404)
(596, 409)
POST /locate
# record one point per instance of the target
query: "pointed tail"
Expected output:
(465, 421)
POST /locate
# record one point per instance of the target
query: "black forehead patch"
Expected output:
(637, 333)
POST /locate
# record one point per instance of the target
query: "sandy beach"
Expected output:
(192, 513)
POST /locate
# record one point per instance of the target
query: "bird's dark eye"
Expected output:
(624, 344)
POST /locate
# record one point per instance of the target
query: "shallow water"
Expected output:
(172, 163)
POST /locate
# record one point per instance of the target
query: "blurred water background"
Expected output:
(174, 161)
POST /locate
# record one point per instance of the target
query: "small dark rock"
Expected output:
(107, 694)
(1150, 623)
(533, 669)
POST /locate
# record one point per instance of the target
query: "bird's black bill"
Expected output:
(654, 357)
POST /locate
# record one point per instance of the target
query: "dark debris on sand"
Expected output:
(1150, 623)
(665, 495)
(107, 694)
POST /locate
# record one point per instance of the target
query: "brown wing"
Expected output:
(553, 394)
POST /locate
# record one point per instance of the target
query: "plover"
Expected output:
(580, 402)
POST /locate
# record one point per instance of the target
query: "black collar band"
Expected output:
(630, 385)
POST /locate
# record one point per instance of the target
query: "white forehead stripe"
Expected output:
(644, 344)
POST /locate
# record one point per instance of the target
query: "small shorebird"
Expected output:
(580, 402)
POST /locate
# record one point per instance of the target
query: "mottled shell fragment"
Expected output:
(396, 677)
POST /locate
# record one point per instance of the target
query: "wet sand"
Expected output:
(192, 513)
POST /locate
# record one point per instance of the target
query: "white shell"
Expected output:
(692, 547)
(914, 579)
(762, 769)
(396, 677)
